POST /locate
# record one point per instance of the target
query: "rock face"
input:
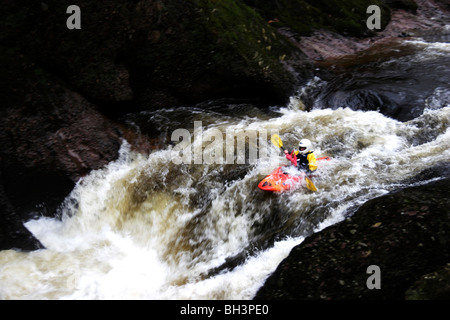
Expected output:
(405, 234)
(153, 53)
(50, 137)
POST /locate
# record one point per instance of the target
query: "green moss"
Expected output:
(240, 29)
(305, 16)
(221, 40)
(182, 48)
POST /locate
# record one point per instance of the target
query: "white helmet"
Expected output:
(304, 146)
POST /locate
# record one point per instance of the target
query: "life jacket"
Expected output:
(305, 161)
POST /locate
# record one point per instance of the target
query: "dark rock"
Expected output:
(305, 16)
(333, 47)
(13, 234)
(405, 234)
(155, 54)
(47, 126)
(432, 286)
(363, 99)
(408, 5)
(50, 137)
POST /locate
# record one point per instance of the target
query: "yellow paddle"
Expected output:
(310, 185)
(276, 140)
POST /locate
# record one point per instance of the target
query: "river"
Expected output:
(188, 221)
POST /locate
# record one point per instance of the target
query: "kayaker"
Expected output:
(304, 159)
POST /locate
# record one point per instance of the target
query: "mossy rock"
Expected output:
(166, 53)
(200, 48)
(305, 16)
(145, 51)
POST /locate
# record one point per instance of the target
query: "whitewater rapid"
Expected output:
(139, 229)
(152, 227)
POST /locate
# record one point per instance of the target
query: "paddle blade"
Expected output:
(276, 140)
(310, 185)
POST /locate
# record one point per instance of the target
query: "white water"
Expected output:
(124, 237)
(145, 228)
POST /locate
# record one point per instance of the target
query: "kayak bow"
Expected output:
(280, 180)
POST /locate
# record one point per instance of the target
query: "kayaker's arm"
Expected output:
(291, 157)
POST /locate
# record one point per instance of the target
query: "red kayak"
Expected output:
(280, 180)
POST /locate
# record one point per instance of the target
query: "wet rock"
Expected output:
(363, 99)
(360, 73)
(153, 54)
(50, 137)
(405, 234)
(13, 235)
(432, 286)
